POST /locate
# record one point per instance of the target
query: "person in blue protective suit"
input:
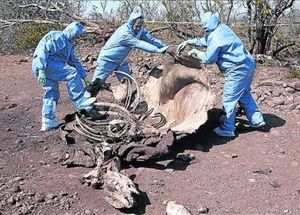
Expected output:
(53, 61)
(224, 48)
(113, 56)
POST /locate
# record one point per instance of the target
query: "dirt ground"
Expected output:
(258, 172)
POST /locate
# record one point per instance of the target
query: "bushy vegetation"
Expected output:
(294, 73)
(30, 34)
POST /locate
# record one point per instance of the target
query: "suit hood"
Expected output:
(209, 21)
(73, 30)
(137, 13)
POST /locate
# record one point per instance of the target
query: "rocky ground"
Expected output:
(258, 172)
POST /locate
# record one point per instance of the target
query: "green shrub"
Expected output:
(30, 34)
(294, 73)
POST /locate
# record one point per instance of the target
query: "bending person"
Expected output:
(224, 48)
(114, 54)
(53, 61)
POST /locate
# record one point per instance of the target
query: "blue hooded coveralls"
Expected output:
(224, 48)
(113, 55)
(55, 55)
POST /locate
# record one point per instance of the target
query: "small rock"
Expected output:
(252, 180)
(262, 98)
(88, 212)
(234, 156)
(185, 156)
(75, 195)
(10, 106)
(165, 202)
(63, 193)
(24, 60)
(271, 104)
(281, 151)
(265, 171)
(42, 163)
(297, 98)
(11, 200)
(295, 85)
(24, 210)
(289, 100)
(17, 198)
(169, 170)
(278, 100)
(8, 129)
(174, 208)
(31, 194)
(18, 141)
(16, 189)
(289, 107)
(271, 83)
(203, 210)
(275, 133)
(277, 92)
(294, 163)
(290, 90)
(274, 184)
(30, 207)
(16, 179)
(18, 204)
(158, 183)
(40, 198)
(50, 196)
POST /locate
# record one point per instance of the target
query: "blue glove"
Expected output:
(182, 45)
(42, 78)
(197, 54)
(162, 50)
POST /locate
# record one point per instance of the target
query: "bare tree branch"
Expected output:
(11, 22)
(229, 12)
(159, 29)
(275, 52)
(36, 6)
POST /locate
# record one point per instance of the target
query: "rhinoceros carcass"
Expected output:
(181, 92)
(179, 95)
(110, 133)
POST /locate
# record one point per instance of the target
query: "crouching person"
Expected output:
(53, 61)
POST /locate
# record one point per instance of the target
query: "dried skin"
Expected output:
(181, 93)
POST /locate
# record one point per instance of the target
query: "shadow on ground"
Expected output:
(142, 201)
(204, 139)
(272, 121)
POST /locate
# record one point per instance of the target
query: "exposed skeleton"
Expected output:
(176, 102)
(121, 124)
